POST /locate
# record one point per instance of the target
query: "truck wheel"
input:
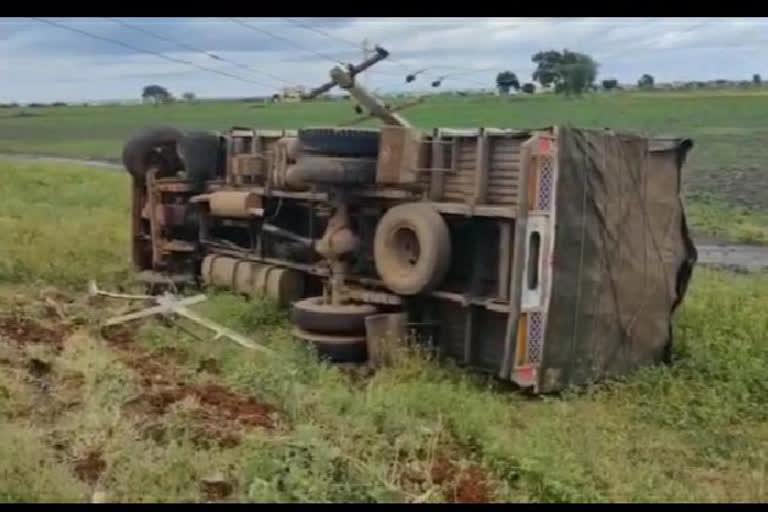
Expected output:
(315, 316)
(151, 147)
(412, 249)
(200, 152)
(339, 141)
(338, 349)
(333, 171)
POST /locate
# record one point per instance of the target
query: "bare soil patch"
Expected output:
(746, 186)
(221, 412)
(24, 330)
(470, 485)
(89, 467)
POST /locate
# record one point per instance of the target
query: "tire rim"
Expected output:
(407, 249)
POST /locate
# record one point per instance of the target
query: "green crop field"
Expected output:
(150, 413)
(726, 181)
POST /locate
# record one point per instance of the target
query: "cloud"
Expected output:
(46, 63)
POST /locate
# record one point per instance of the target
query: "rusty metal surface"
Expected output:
(235, 203)
(402, 152)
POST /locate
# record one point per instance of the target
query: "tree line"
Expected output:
(573, 73)
(566, 72)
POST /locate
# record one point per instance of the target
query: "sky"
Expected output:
(43, 62)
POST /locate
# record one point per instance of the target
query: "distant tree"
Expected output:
(507, 80)
(757, 79)
(529, 88)
(189, 97)
(646, 82)
(157, 94)
(570, 72)
(610, 84)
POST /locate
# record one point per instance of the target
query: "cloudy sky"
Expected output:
(43, 62)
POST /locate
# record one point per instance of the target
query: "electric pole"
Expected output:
(367, 52)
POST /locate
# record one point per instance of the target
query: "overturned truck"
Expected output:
(549, 257)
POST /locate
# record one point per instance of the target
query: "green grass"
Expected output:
(727, 128)
(714, 218)
(51, 216)
(694, 431)
(726, 164)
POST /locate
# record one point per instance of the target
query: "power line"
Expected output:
(142, 50)
(270, 34)
(192, 48)
(391, 59)
(324, 33)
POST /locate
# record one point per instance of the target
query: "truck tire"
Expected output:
(315, 316)
(333, 171)
(337, 349)
(412, 249)
(339, 141)
(200, 153)
(154, 146)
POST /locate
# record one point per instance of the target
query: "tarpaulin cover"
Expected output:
(622, 258)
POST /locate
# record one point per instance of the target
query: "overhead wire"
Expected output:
(149, 52)
(194, 49)
(285, 39)
(392, 60)
(322, 32)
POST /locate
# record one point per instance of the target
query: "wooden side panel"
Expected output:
(459, 185)
(471, 184)
(504, 174)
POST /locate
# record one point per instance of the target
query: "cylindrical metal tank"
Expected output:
(252, 278)
(234, 203)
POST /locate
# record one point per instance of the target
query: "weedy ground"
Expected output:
(726, 180)
(153, 412)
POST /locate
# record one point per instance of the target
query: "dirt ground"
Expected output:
(745, 186)
(220, 416)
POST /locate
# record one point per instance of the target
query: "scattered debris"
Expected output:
(167, 304)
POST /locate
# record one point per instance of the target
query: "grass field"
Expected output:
(150, 413)
(726, 181)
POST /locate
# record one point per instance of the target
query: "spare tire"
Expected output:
(314, 315)
(154, 146)
(337, 349)
(412, 248)
(339, 141)
(332, 171)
